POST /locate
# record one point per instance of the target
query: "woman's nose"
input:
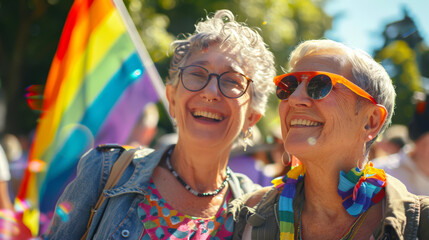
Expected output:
(300, 97)
(211, 91)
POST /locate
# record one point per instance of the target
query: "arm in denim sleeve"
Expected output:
(81, 195)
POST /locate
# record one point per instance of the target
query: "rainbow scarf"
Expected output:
(99, 81)
(361, 189)
(358, 189)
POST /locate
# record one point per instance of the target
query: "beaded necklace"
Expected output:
(187, 187)
(358, 189)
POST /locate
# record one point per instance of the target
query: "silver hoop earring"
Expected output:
(247, 138)
(286, 159)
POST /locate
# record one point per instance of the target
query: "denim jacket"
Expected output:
(117, 217)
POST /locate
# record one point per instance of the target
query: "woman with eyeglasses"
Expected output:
(334, 103)
(219, 81)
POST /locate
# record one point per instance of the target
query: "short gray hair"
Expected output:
(367, 73)
(257, 60)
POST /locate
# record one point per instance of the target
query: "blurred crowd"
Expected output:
(403, 151)
(13, 162)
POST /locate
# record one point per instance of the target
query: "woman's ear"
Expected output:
(252, 118)
(376, 119)
(170, 91)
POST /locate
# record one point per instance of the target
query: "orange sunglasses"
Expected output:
(319, 85)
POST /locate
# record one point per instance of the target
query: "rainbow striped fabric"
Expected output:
(361, 189)
(99, 81)
(287, 228)
(358, 189)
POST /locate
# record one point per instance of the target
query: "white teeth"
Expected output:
(205, 114)
(304, 122)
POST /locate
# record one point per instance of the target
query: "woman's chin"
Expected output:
(301, 146)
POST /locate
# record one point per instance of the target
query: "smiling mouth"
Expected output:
(304, 123)
(208, 116)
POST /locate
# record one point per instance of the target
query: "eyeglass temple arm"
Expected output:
(359, 91)
(356, 89)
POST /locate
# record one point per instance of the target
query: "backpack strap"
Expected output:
(115, 174)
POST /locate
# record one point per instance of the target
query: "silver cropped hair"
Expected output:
(257, 60)
(367, 73)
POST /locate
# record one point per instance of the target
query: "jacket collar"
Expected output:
(401, 211)
(145, 161)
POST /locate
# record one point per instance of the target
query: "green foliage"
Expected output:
(400, 62)
(282, 23)
(285, 23)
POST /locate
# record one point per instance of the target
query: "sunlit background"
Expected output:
(359, 23)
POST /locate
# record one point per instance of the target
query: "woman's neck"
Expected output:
(322, 209)
(321, 191)
(203, 170)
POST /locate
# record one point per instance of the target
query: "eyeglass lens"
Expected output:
(317, 88)
(231, 84)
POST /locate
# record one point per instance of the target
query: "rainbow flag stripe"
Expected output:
(97, 87)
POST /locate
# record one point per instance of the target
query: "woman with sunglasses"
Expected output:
(334, 103)
(219, 81)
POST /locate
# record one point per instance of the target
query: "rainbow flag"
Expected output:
(100, 79)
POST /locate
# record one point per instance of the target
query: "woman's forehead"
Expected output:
(226, 58)
(333, 63)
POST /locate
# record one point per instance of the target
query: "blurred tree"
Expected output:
(401, 56)
(29, 35)
(30, 31)
(285, 23)
(423, 62)
(400, 62)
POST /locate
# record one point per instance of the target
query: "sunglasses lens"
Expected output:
(319, 87)
(286, 87)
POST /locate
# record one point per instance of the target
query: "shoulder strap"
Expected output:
(115, 174)
(118, 168)
(262, 217)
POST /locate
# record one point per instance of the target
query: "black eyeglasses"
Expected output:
(231, 84)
